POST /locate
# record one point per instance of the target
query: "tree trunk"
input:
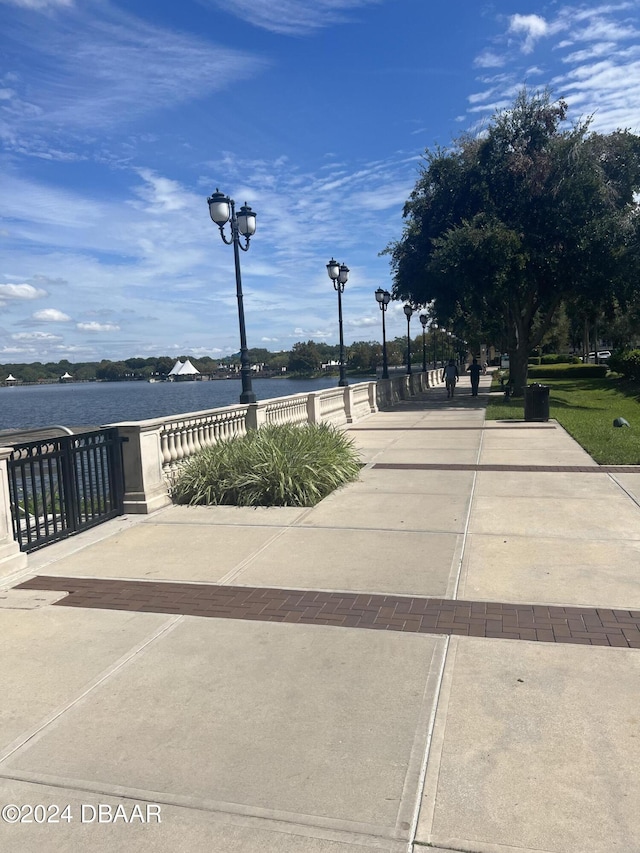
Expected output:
(518, 368)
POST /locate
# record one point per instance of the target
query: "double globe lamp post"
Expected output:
(408, 311)
(222, 209)
(383, 297)
(424, 320)
(339, 273)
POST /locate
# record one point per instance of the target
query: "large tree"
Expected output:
(502, 227)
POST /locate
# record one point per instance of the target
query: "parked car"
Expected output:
(603, 355)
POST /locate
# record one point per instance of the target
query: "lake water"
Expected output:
(99, 403)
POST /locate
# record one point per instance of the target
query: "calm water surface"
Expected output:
(98, 403)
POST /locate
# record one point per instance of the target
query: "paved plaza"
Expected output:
(442, 656)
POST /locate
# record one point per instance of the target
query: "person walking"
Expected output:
(474, 371)
(450, 376)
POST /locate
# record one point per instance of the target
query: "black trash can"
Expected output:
(536, 402)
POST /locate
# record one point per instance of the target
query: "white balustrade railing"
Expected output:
(154, 450)
(286, 410)
(332, 406)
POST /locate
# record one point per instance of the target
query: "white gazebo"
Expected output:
(183, 370)
(10, 378)
(65, 377)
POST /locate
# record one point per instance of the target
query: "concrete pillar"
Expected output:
(348, 405)
(314, 415)
(256, 416)
(373, 404)
(145, 488)
(11, 557)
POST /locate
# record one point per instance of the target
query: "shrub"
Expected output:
(552, 358)
(627, 363)
(277, 465)
(568, 371)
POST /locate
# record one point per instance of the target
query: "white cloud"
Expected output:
(97, 66)
(489, 59)
(21, 291)
(38, 4)
(292, 17)
(97, 327)
(51, 315)
(532, 26)
(162, 194)
(36, 336)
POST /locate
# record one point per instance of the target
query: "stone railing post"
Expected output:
(348, 405)
(256, 416)
(373, 402)
(145, 488)
(11, 557)
(314, 415)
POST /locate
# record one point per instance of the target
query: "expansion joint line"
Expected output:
(445, 655)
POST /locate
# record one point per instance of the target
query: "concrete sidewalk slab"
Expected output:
(533, 748)
(375, 512)
(592, 573)
(529, 455)
(544, 484)
(564, 518)
(399, 562)
(51, 655)
(445, 439)
(406, 481)
(211, 713)
(426, 454)
(182, 829)
(149, 550)
(247, 516)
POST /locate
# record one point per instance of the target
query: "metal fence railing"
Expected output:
(61, 486)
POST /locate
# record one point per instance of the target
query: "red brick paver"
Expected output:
(463, 466)
(536, 622)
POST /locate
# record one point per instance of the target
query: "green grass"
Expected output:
(586, 409)
(277, 465)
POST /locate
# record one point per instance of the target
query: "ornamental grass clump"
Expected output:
(276, 465)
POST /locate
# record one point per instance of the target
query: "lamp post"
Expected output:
(383, 297)
(339, 273)
(424, 320)
(434, 329)
(222, 209)
(408, 311)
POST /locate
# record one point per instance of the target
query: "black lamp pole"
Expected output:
(222, 209)
(383, 298)
(434, 329)
(424, 319)
(339, 273)
(408, 311)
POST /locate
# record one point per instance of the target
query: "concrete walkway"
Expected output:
(494, 709)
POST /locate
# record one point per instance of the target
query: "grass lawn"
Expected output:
(586, 409)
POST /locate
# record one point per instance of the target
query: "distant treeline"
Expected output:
(304, 358)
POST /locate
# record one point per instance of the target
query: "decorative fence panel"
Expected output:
(61, 486)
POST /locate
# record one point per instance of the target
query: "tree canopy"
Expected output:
(504, 227)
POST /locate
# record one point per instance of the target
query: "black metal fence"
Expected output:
(61, 486)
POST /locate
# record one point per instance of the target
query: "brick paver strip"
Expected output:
(448, 428)
(534, 622)
(460, 466)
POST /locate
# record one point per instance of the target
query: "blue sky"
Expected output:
(118, 119)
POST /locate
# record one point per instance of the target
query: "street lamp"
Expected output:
(383, 297)
(222, 209)
(408, 311)
(424, 320)
(434, 329)
(339, 273)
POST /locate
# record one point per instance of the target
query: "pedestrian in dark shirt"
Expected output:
(474, 371)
